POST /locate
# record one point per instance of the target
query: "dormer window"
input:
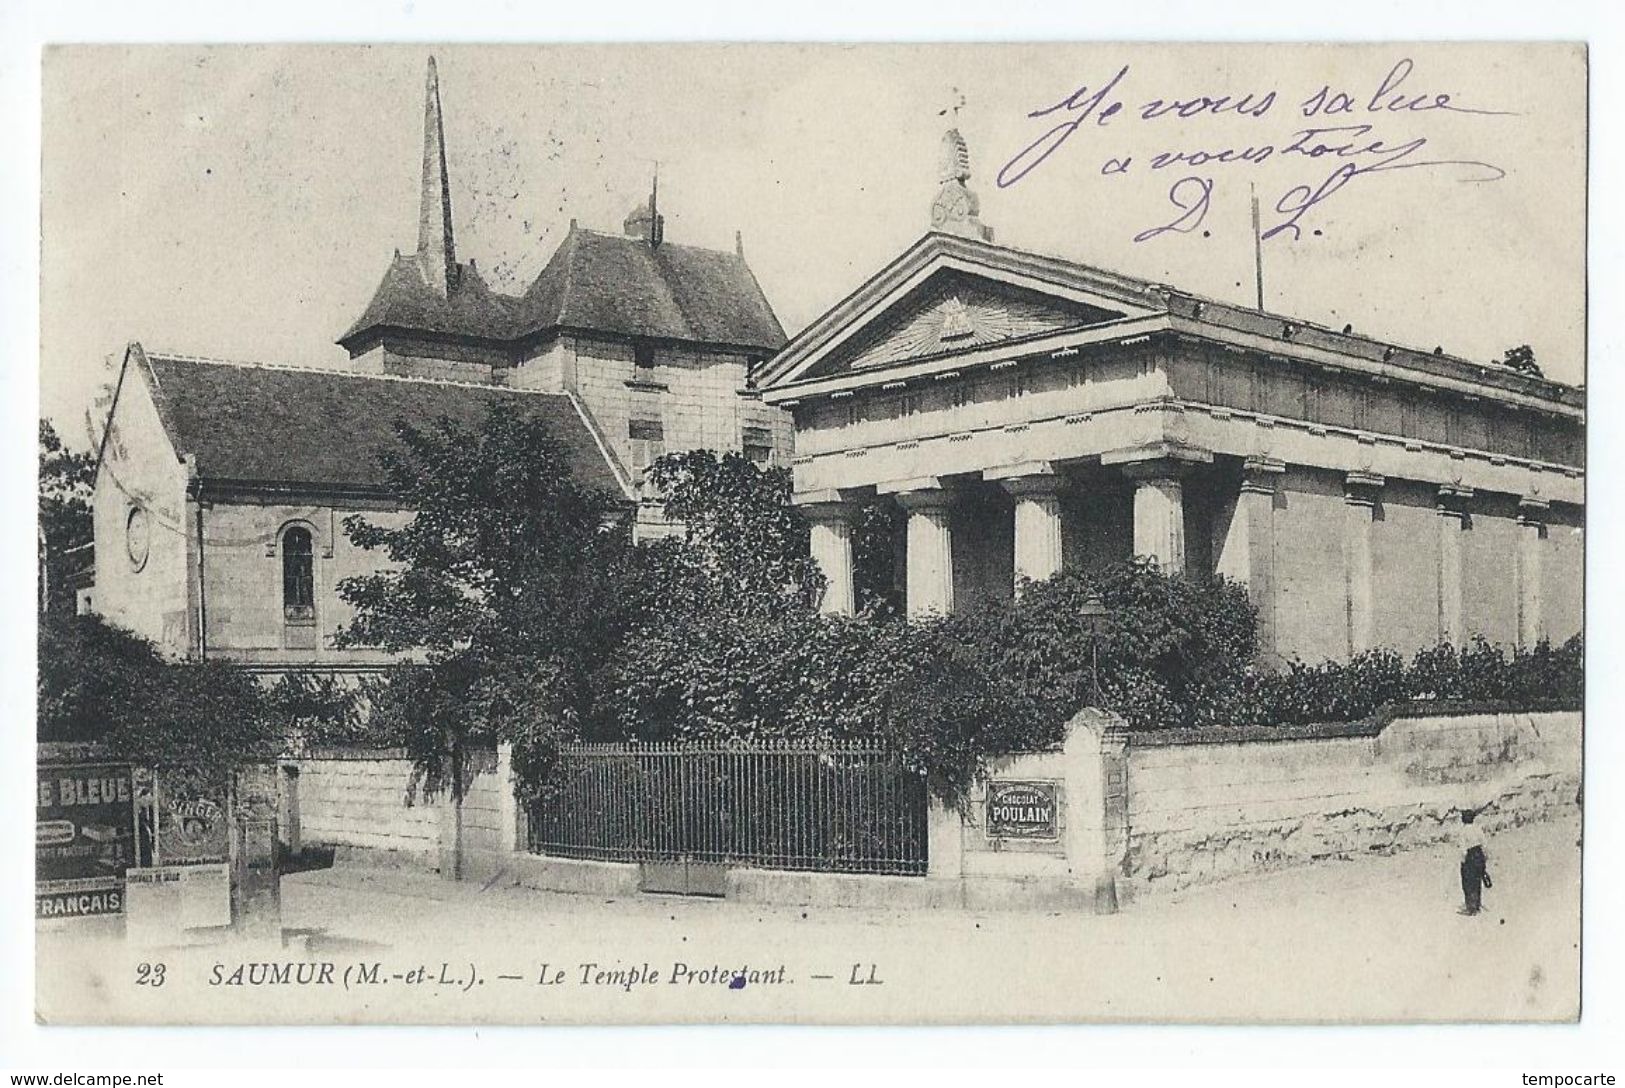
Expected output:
(758, 444)
(647, 437)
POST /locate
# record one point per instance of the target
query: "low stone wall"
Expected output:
(1109, 816)
(373, 807)
(1204, 805)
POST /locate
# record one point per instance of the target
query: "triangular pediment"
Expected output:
(954, 310)
(948, 296)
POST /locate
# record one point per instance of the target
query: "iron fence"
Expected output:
(852, 808)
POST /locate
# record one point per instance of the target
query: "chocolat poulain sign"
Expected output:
(84, 839)
(1022, 810)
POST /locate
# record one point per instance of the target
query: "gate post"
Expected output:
(451, 817)
(510, 817)
(944, 841)
(1096, 804)
(256, 896)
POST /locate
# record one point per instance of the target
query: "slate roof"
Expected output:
(324, 429)
(404, 300)
(594, 282)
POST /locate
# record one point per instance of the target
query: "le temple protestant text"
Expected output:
(584, 974)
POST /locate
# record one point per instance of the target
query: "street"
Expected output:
(1376, 938)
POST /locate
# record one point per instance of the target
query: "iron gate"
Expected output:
(851, 808)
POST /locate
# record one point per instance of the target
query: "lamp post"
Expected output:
(1095, 619)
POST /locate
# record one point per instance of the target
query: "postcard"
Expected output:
(811, 533)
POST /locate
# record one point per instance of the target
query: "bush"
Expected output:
(1342, 691)
(98, 682)
(1168, 648)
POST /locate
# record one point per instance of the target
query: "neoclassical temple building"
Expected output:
(1029, 413)
(222, 487)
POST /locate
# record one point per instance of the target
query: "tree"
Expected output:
(745, 546)
(504, 591)
(1522, 359)
(66, 478)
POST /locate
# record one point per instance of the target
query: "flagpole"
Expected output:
(1258, 250)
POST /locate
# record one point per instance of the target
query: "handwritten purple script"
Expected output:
(1344, 133)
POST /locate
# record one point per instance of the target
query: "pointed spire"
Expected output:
(437, 253)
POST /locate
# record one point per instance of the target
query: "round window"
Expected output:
(138, 536)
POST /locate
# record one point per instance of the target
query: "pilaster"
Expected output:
(1361, 493)
(1532, 515)
(1453, 521)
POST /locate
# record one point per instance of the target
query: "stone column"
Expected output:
(1036, 489)
(1532, 513)
(831, 523)
(1159, 512)
(1453, 521)
(930, 545)
(1361, 491)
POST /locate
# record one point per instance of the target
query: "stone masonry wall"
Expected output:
(1201, 808)
(373, 806)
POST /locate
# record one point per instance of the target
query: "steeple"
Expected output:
(955, 209)
(437, 254)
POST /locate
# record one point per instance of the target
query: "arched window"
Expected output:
(298, 578)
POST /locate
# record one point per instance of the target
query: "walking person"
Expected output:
(1475, 872)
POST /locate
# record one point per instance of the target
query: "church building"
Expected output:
(222, 488)
(1027, 414)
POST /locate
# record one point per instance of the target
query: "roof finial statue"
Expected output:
(955, 209)
(437, 253)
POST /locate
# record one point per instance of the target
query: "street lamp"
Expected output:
(1095, 618)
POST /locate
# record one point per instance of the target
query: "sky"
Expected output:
(243, 202)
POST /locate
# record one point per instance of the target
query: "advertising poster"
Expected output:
(84, 839)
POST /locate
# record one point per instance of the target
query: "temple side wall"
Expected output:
(243, 581)
(140, 468)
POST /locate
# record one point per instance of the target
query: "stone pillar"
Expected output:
(256, 894)
(1159, 512)
(1036, 489)
(930, 546)
(831, 524)
(511, 837)
(1453, 521)
(945, 845)
(1532, 513)
(1361, 491)
(1096, 834)
(288, 818)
